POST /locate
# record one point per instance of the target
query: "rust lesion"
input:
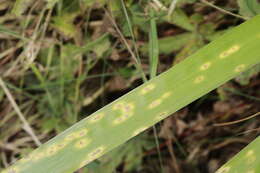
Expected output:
(230, 51)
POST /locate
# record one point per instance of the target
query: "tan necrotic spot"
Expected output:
(82, 143)
(205, 66)
(148, 88)
(96, 117)
(155, 103)
(224, 169)
(230, 51)
(240, 68)
(199, 79)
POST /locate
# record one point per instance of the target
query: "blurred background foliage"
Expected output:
(64, 59)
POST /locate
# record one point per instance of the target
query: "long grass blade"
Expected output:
(111, 126)
(153, 46)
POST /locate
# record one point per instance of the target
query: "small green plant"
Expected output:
(113, 125)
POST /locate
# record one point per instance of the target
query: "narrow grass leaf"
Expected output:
(246, 161)
(153, 46)
(223, 59)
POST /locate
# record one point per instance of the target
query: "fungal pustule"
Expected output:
(122, 118)
(230, 51)
(166, 95)
(148, 88)
(128, 107)
(82, 143)
(199, 79)
(161, 115)
(205, 66)
(61, 145)
(70, 137)
(96, 117)
(118, 105)
(81, 133)
(96, 153)
(52, 150)
(155, 103)
(240, 68)
(224, 169)
(118, 120)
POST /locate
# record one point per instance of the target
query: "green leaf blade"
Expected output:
(141, 108)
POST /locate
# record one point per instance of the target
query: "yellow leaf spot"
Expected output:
(12, 170)
(82, 143)
(155, 103)
(250, 157)
(52, 150)
(161, 115)
(166, 95)
(70, 137)
(61, 145)
(122, 118)
(148, 88)
(96, 153)
(230, 51)
(81, 133)
(26, 158)
(84, 162)
(240, 68)
(38, 156)
(136, 132)
(96, 117)
(199, 79)
(118, 120)
(250, 153)
(128, 107)
(224, 169)
(205, 66)
(250, 171)
(118, 105)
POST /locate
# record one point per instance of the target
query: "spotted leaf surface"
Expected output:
(246, 161)
(111, 126)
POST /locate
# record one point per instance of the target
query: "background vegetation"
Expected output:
(62, 60)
